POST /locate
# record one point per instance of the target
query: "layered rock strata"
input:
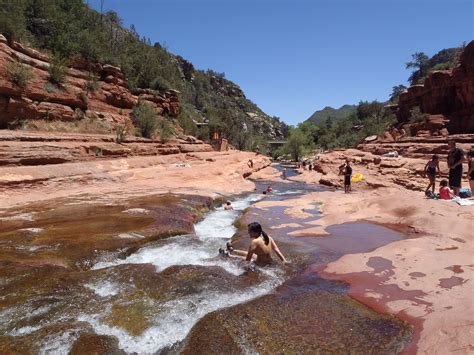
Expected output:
(447, 95)
(90, 90)
(31, 148)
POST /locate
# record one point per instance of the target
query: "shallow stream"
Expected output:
(166, 295)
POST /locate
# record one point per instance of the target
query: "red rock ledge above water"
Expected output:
(111, 102)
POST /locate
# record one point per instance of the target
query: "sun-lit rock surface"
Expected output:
(425, 279)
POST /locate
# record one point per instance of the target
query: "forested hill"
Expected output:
(322, 115)
(70, 28)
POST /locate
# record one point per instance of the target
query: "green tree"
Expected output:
(396, 91)
(12, 19)
(298, 144)
(420, 66)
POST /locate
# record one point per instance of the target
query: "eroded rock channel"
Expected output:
(143, 276)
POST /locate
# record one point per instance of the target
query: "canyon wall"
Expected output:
(447, 96)
(90, 90)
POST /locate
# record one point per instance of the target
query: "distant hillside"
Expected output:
(71, 30)
(322, 115)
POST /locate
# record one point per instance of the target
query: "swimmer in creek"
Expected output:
(260, 247)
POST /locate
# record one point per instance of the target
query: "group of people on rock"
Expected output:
(262, 245)
(305, 164)
(451, 187)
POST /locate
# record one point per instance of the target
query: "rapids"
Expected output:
(144, 277)
(177, 316)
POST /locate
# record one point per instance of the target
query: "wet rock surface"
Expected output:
(95, 278)
(306, 315)
(45, 278)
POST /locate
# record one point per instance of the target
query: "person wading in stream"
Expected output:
(261, 246)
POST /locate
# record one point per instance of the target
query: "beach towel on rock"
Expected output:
(463, 201)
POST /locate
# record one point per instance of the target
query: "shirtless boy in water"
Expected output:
(261, 246)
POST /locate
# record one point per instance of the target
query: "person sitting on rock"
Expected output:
(431, 170)
(228, 206)
(444, 191)
(260, 247)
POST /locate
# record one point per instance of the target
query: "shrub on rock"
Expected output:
(144, 117)
(19, 73)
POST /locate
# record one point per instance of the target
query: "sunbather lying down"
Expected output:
(260, 247)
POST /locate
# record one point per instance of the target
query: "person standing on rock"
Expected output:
(347, 177)
(431, 170)
(470, 171)
(455, 160)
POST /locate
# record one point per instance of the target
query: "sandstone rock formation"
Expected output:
(31, 148)
(110, 101)
(407, 170)
(447, 95)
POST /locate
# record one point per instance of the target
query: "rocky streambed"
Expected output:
(143, 276)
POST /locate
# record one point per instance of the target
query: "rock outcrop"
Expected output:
(446, 94)
(34, 148)
(406, 170)
(90, 90)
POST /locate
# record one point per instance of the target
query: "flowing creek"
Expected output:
(166, 295)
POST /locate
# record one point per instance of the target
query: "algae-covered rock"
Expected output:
(94, 344)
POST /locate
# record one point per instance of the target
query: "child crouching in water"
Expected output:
(444, 192)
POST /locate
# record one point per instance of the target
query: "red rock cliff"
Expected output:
(111, 101)
(449, 93)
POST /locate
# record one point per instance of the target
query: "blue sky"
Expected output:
(293, 57)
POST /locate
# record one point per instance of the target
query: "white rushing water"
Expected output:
(177, 317)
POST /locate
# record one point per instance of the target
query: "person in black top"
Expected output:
(470, 171)
(347, 177)
(455, 160)
(431, 170)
